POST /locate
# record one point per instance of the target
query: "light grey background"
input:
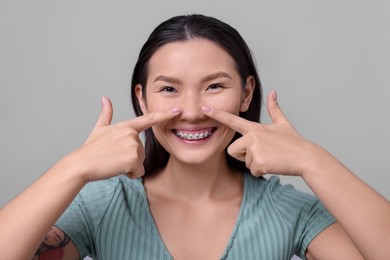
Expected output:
(328, 60)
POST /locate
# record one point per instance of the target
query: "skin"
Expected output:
(279, 148)
(197, 185)
(109, 151)
(183, 79)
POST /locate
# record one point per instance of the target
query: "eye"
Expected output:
(214, 87)
(168, 89)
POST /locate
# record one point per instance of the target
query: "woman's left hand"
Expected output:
(275, 148)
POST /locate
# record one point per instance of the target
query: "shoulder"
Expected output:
(272, 189)
(97, 198)
(284, 202)
(279, 205)
(95, 203)
(105, 190)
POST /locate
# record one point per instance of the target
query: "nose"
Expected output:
(192, 109)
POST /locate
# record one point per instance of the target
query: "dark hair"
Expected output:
(183, 28)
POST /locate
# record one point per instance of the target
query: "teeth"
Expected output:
(189, 136)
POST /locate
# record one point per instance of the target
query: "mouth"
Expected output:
(194, 135)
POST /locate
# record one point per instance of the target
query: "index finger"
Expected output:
(145, 121)
(236, 123)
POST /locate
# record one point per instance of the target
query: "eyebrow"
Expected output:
(216, 75)
(208, 78)
(167, 79)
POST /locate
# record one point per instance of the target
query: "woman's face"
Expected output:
(189, 75)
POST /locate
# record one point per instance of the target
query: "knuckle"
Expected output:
(124, 127)
(256, 150)
(256, 172)
(129, 131)
(252, 134)
(135, 171)
(257, 162)
(248, 164)
(132, 158)
(130, 171)
(130, 175)
(232, 150)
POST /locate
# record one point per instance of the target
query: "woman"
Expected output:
(197, 96)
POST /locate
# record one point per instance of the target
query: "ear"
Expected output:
(141, 99)
(247, 93)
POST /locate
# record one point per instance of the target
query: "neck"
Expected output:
(213, 179)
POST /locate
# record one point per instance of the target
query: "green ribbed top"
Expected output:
(111, 220)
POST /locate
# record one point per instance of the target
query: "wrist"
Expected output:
(73, 168)
(318, 162)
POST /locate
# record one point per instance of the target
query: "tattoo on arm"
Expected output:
(55, 239)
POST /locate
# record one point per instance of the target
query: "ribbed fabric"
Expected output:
(111, 220)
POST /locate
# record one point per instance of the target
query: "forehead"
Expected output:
(192, 57)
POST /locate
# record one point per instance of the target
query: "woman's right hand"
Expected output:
(111, 150)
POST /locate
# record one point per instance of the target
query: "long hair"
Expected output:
(184, 28)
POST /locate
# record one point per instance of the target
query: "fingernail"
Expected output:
(274, 95)
(176, 110)
(104, 100)
(206, 109)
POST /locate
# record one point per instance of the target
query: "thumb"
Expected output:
(274, 110)
(105, 116)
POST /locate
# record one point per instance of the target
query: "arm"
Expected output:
(362, 214)
(27, 218)
(110, 150)
(57, 246)
(25, 221)
(332, 243)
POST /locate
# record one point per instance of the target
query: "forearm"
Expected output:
(362, 212)
(110, 150)
(25, 220)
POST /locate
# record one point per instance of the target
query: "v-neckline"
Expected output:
(151, 220)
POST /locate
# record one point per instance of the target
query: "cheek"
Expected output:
(161, 130)
(161, 133)
(160, 104)
(227, 101)
(231, 105)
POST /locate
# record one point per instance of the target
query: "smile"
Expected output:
(194, 135)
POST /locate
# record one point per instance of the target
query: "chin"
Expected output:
(197, 157)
